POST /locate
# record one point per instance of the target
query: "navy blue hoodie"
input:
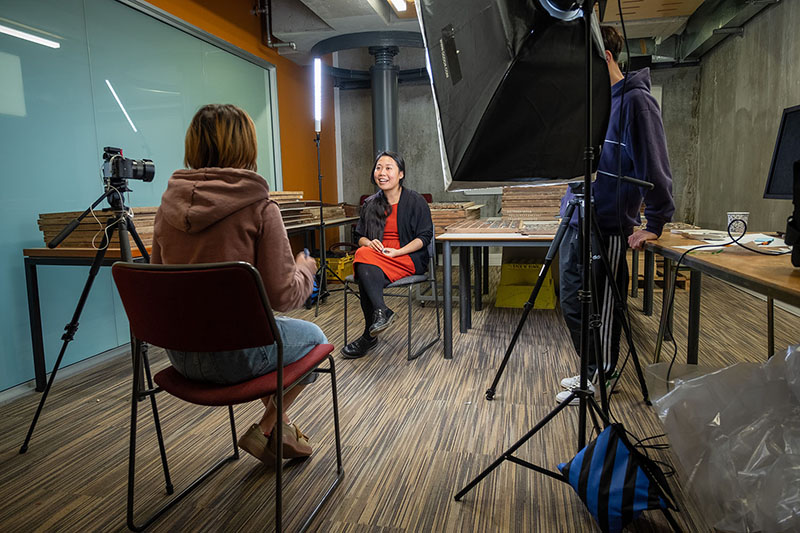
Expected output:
(644, 156)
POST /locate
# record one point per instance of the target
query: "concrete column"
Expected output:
(384, 98)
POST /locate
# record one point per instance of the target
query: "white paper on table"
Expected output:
(747, 239)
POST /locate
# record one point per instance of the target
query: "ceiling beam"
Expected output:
(700, 36)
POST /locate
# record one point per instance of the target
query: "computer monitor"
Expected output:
(787, 152)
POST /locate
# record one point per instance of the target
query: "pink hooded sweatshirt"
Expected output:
(210, 215)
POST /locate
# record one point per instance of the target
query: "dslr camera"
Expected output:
(118, 169)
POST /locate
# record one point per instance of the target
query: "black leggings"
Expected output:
(371, 282)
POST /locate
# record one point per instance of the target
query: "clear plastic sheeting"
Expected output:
(736, 433)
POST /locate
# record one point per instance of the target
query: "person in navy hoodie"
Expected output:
(617, 205)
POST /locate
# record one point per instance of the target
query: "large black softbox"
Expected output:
(509, 82)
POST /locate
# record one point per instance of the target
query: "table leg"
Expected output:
(770, 327)
(649, 281)
(485, 270)
(477, 255)
(464, 291)
(35, 315)
(448, 300)
(634, 273)
(695, 288)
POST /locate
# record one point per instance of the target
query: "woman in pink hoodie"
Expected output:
(218, 209)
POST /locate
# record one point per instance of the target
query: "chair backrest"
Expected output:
(199, 308)
(432, 255)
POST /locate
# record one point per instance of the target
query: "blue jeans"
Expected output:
(236, 366)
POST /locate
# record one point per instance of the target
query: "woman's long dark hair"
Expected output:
(378, 209)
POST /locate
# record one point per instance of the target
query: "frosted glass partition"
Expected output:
(111, 75)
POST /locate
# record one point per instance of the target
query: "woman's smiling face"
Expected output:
(386, 174)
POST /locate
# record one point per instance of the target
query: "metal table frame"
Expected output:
(697, 267)
(465, 243)
(32, 261)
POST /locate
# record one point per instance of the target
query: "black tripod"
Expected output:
(586, 402)
(324, 268)
(619, 302)
(120, 222)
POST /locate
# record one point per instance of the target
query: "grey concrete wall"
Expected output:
(417, 135)
(679, 111)
(745, 84)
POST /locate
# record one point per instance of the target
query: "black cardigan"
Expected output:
(413, 222)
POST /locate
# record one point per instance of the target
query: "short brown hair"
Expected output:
(221, 135)
(612, 41)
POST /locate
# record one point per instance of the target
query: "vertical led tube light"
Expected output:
(317, 93)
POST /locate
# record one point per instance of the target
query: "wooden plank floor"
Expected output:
(414, 433)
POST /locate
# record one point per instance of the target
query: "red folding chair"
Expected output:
(209, 307)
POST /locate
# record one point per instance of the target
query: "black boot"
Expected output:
(381, 319)
(359, 347)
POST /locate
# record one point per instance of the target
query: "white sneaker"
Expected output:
(562, 396)
(573, 382)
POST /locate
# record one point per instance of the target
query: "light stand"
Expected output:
(324, 269)
(586, 402)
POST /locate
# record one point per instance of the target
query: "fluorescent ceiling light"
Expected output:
(29, 37)
(399, 5)
(317, 93)
(114, 93)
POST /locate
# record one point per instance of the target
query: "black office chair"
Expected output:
(408, 282)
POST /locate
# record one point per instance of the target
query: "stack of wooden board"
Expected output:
(497, 225)
(532, 203)
(330, 212)
(89, 232)
(293, 208)
(446, 213)
(539, 227)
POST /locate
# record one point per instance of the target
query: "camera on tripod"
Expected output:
(117, 169)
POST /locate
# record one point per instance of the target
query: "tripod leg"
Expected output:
(551, 253)
(70, 329)
(138, 240)
(514, 447)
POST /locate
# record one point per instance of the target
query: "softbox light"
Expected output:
(509, 83)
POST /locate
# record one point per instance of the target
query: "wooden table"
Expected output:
(35, 257)
(772, 276)
(465, 241)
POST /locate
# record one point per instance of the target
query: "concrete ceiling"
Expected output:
(648, 22)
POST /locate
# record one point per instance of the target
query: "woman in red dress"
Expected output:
(393, 233)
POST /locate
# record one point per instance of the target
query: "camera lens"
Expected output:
(143, 169)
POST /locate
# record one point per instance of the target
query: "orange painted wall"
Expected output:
(232, 21)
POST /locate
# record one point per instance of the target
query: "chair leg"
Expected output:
(337, 435)
(136, 396)
(438, 326)
(233, 432)
(409, 323)
(156, 419)
(436, 300)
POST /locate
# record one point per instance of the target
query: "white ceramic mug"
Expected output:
(737, 228)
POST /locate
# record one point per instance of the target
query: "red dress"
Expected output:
(394, 267)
